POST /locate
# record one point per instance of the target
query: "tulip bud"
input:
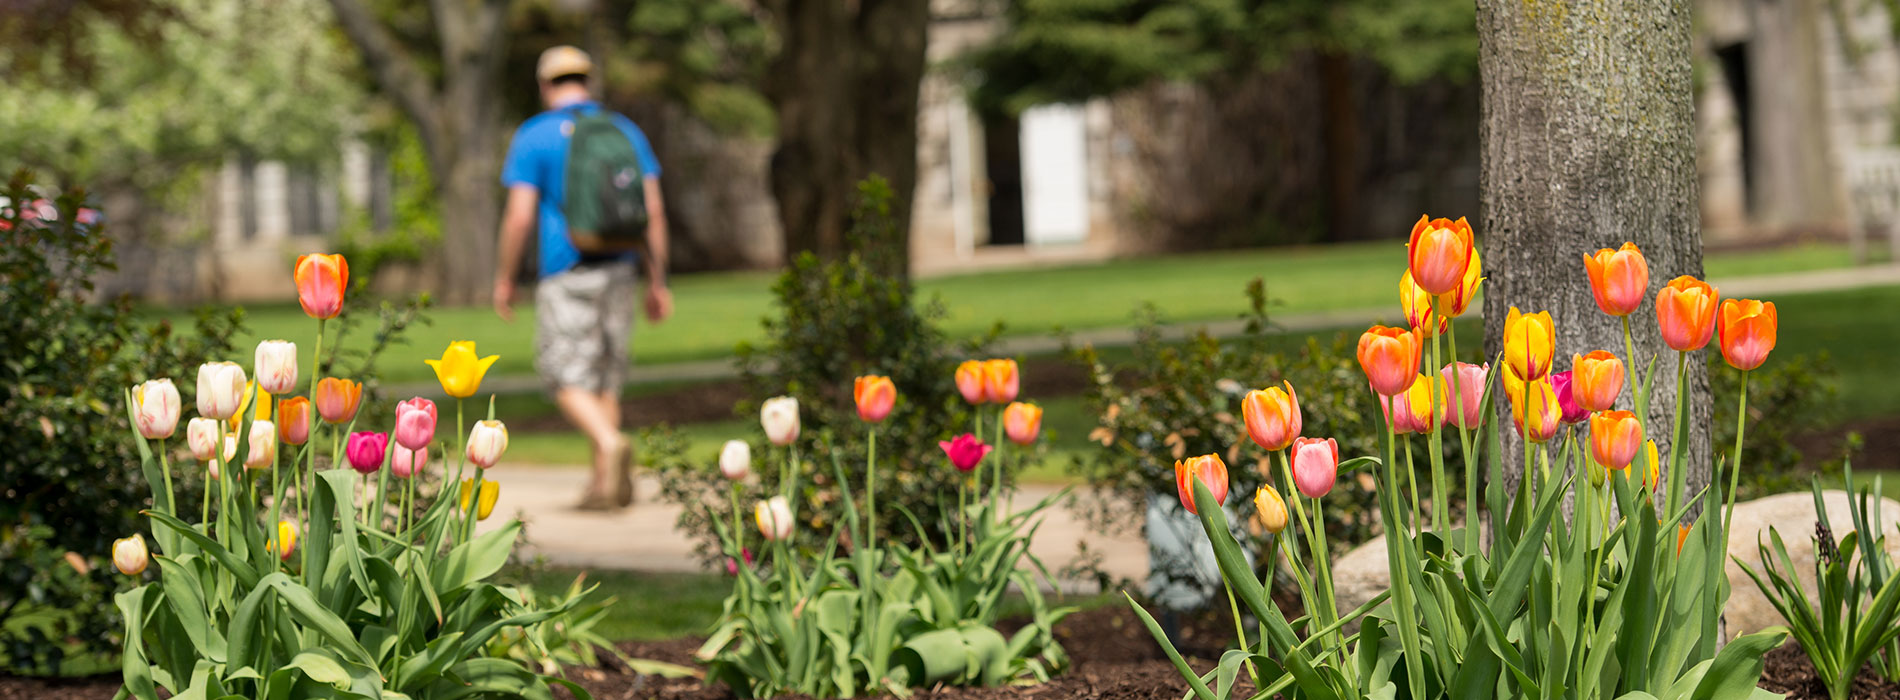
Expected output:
(1315, 465)
(1389, 357)
(321, 280)
(774, 517)
(293, 420)
(1022, 422)
(735, 460)
(1207, 469)
(155, 407)
(220, 389)
(1000, 381)
(364, 450)
(201, 434)
(405, 462)
(338, 399)
(276, 366)
(1269, 509)
(965, 451)
(287, 534)
(875, 396)
(415, 423)
(1685, 312)
(1747, 328)
(1654, 478)
(779, 417)
(263, 445)
(1272, 416)
(130, 556)
(971, 382)
(491, 491)
(486, 442)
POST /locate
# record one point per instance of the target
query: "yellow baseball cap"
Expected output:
(562, 60)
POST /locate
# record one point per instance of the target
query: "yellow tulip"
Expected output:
(491, 490)
(459, 370)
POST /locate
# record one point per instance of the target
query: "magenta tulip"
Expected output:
(965, 451)
(365, 451)
(1566, 401)
(415, 423)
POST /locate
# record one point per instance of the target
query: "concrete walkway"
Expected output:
(642, 538)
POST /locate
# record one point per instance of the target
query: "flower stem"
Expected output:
(1240, 630)
(1735, 458)
(870, 493)
(1455, 406)
(1676, 446)
(1441, 515)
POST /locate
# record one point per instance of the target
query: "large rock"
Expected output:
(1361, 573)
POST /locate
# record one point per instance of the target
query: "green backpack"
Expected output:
(606, 200)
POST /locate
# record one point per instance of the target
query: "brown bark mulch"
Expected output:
(1788, 672)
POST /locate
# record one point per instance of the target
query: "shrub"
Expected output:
(69, 480)
(836, 320)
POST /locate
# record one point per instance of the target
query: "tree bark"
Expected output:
(1587, 141)
(458, 118)
(845, 84)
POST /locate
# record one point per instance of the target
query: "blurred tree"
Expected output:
(1589, 141)
(1073, 50)
(845, 84)
(441, 65)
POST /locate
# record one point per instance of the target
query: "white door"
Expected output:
(1055, 175)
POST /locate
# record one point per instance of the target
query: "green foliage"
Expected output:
(837, 320)
(71, 482)
(1858, 616)
(710, 56)
(571, 638)
(1072, 50)
(1792, 395)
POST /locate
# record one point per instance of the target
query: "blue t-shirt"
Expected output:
(538, 157)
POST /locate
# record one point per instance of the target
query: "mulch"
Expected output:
(1114, 659)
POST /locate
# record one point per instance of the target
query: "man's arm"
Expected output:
(659, 300)
(516, 221)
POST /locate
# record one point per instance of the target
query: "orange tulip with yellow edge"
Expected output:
(338, 399)
(971, 382)
(459, 370)
(1685, 311)
(874, 395)
(321, 280)
(1389, 357)
(1418, 308)
(1529, 341)
(293, 420)
(1208, 469)
(1022, 422)
(1452, 304)
(1272, 416)
(1619, 279)
(1747, 330)
(1438, 253)
(1596, 379)
(1615, 438)
(1000, 381)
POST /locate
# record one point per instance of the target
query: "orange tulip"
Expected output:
(1596, 379)
(1022, 422)
(1747, 328)
(1529, 341)
(1686, 312)
(971, 382)
(1418, 308)
(1438, 253)
(1389, 357)
(1000, 381)
(1452, 304)
(1682, 535)
(1208, 469)
(875, 396)
(1272, 416)
(1615, 436)
(1619, 279)
(293, 420)
(1534, 408)
(337, 399)
(321, 280)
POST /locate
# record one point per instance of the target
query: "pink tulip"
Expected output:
(365, 451)
(1572, 413)
(1315, 465)
(1469, 386)
(965, 451)
(405, 462)
(155, 408)
(415, 423)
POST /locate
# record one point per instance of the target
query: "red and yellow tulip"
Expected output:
(1529, 341)
(1438, 253)
(1747, 329)
(1685, 311)
(1389, 357)
(321, 280)
(874, 395)
(1272, 416)
(1207, 469)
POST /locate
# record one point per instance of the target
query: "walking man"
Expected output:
(588, 274)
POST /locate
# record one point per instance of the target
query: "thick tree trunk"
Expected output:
(1588, 141)
(1345, 218)
(845, 83)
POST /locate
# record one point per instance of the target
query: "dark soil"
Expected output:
(1879, 451)
(1114, 659)
(1789, 672)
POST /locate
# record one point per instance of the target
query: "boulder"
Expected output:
(1360, 574)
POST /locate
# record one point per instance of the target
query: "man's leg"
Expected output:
(600, 421)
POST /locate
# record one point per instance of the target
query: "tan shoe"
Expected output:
(623, 495)
(595, 501)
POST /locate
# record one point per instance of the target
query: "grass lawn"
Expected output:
(716, 311)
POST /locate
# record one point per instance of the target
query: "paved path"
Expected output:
(642, 538)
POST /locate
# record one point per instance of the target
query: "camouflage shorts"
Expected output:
(584, 320)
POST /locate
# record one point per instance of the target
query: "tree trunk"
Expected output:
(845, 83)
(1588, 140)
(1345, 218)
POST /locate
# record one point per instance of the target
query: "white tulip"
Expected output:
(779, 416)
